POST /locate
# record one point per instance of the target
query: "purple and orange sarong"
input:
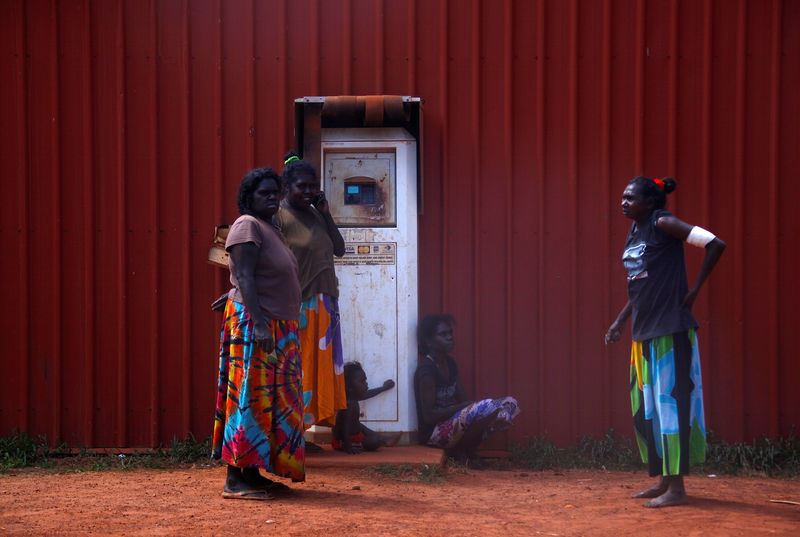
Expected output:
(323, 362)
(259, 414)
(448, 433)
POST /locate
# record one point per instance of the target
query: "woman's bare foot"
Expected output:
(653, 492)
(675, 493)
(668, 499)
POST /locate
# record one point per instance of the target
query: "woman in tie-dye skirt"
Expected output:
(259, 415)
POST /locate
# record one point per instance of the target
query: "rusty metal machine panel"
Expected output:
(361, 188)
(371, 181)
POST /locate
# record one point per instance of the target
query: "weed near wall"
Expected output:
(763, 456)
(19, 450)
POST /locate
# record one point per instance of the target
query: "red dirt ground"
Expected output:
(339, 498)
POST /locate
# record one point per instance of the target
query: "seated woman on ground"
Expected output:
(447, 418)
(349, 434)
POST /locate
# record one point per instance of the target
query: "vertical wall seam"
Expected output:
(541, 260)
(347, 48)
(56, 140)
(251, 87)
(508, 154)
(445, 148)
(574, 45)
(89, 223)
(186, 406)
(412, 48)
(283, 75)
(672, 106)
(380, 45)
(739, 235)
(24, 133)
(638, 84)
(477, 303)
(219, 154)
(155, 226)
(605, 181)
(774, 206)
(122, 315)
(314, 44)
(705, 155)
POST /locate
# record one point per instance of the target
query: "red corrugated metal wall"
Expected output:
(128, 124)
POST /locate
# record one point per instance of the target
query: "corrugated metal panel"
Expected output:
(127, 126)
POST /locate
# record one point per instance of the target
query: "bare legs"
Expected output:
(667, 492)
(465, 451)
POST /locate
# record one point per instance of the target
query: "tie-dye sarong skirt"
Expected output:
(667, 402)
(323, 363)
(259, 415)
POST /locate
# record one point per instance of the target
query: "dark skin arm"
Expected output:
(432, 415)
(245, 257)
(615, 330)
(351, 425)
(680, 230)
(219, 304)
(322, 206)
(388, 385)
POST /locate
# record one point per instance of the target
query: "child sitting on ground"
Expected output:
(349, 434)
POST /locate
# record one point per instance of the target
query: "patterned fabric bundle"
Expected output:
(667, 402)
(323, 363)
(448, 433)
(259, 415)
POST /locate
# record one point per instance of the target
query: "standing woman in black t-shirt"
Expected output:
(666, 385)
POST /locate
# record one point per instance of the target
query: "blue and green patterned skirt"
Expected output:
(667, 402)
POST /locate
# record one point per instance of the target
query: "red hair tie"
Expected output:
(659, 182)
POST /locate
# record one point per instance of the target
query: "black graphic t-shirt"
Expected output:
(657, 281)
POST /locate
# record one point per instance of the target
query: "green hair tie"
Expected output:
(290, 159)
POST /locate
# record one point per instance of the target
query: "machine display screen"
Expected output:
(359, 194)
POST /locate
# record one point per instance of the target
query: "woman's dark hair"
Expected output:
(294, 167)
(650, 190)
(350, 369)
(427, 329)
(250, 183)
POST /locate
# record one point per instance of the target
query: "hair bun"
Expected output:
(289, 154)
(669, 184)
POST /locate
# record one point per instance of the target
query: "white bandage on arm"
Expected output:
(700, 237)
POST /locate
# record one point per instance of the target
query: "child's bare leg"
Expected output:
(372, 440)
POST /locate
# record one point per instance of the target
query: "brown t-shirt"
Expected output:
(307, 236)
(276, 270)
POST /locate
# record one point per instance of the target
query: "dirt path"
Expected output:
(345, 501)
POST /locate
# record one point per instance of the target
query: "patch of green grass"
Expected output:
(18, 450)
(189, 449)
(425, 473)
(764, 456)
